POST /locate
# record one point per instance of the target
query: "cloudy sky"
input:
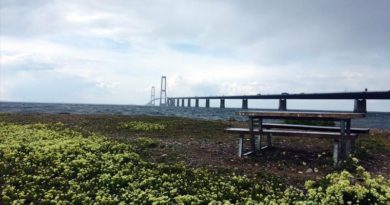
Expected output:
(113, 51)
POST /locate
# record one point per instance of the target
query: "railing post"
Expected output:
(182, 102)
(244, 103)
(282, 104)
(222, 105)
(207, 103)
(196, 102)
(177, 102)
(189, 102)
(360, 106)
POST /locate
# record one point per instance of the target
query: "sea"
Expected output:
(378, 120)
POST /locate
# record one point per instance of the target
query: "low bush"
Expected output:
(345, 188)
(145, 142)
(142, 126)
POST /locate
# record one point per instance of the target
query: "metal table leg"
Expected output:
(252, 138)
(259, 137)
(251, 129)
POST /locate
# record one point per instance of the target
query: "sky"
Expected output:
(114, 51)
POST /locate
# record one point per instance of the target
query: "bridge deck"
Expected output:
(378, 95)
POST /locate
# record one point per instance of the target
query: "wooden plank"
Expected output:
(238, 130)
(290, 133)
(249, 153)
(312, 127)
(307, 133)
(299, 115)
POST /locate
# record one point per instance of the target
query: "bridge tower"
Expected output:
(163, 92)
(152, 96)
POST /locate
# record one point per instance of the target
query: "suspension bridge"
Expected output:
(163, 94)
(359, 98)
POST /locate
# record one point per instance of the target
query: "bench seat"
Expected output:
(314, 128)
(305, 133)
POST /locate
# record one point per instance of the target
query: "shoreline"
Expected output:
(378, 120)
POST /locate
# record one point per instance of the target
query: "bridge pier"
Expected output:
(222, 104)
(169, 102)
(189, 102)
(244, 103)
(360, 106)
(182, 102)
(177, 102)
(282, 104)
(196, 102)
(173, 102)
(207, 103)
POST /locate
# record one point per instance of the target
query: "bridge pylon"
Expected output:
(163, 92)
(152, 96)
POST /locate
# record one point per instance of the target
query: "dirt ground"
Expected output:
(202, 143)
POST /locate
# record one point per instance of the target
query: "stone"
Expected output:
(310, 170)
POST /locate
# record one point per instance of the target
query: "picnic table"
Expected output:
(344, 136)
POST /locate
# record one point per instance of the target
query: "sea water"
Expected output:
(379, 120)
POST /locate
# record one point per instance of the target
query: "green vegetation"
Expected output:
(142, 126)
(145, 142)
(375, 144)
(345, 188)
(51, 164)
(310, 122)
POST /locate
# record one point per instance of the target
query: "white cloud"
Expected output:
(119, 49)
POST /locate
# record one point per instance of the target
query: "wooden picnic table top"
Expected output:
(301, 115)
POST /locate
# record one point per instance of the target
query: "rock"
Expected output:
(309, 170)
(304, 163)
(164, 155)
(315, 170)
(300, 172)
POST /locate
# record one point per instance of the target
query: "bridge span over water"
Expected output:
(360, 99)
